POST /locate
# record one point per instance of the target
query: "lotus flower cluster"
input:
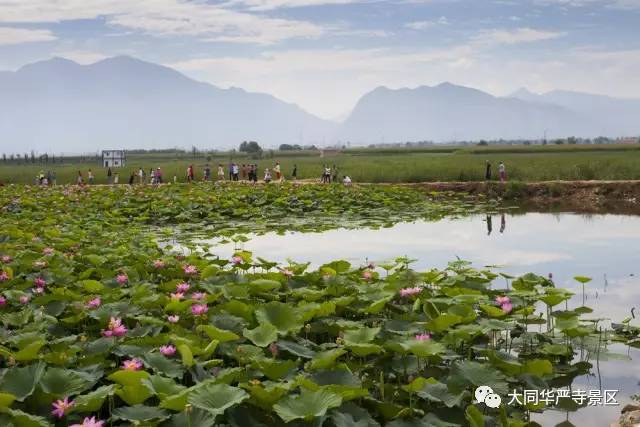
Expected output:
(408, 292)
(89, 422)
(190, 269)
(159, 264)
(132, 365)
(199, 309)
(167, 350)
(182, 287)
(94, 303)
(115, 328)
(6, 259)
(61, 407)
(505, 303)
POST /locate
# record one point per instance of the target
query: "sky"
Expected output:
(323, 55)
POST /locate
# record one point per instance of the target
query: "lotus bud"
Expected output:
(307, 327)
(83, 338)
(255, 382)
(11, 361)
(239, 350)
(339, 341)
(187, 408)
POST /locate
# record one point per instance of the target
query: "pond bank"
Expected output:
(580, 196)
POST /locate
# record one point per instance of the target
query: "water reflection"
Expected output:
(604, 247)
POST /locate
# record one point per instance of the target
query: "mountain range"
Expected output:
(61, 106)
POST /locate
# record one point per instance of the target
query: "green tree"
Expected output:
(250, 147)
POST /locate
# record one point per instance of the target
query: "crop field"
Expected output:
(102, 323)
(523, 163)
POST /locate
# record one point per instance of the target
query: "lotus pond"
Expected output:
(99, 322)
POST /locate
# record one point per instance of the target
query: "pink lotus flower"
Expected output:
(199, 309)
(61, 406)
(38, 291)
(40, 282)
(132, 365)
(4, 276)
(115, 328)
(173, 318)
(503, 300)
(94, 303)
(167, 350)
(40, 264)
(198, 296)
(3, 301)
(122, 279)
(367, 275)
(158, 264)
(423, 337)
(176, 296)
(287, 273)
(507, 307)
(273, 348)
(236, 260)
(407, 292)
(6, 259)
(48, 251)
(190, 269)
(24, 299)
(90, 422)
(182, 287)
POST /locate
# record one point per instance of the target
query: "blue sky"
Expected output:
(324, 54)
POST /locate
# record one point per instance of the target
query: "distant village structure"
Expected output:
(113, 158)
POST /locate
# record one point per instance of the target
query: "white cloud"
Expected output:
(515, 36)
(163, 18)
(423, 25)
(276, 4)
(613, 4)
(12, 36)
(81, 56)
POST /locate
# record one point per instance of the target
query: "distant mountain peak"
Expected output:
(523, 92)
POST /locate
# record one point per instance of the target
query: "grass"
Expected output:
(524, 163)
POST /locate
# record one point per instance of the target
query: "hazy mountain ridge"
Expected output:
(58, 105)
(61, 106)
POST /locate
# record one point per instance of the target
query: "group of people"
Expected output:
(502, 171)
(46, 179)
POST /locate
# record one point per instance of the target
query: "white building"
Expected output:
(113, 158)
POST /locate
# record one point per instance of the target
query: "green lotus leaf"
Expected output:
(24, 419)
(423, 348)
(128, 378)
(263, 335)
(6, 400)
(140, 413)
(361, 335)
(134, 394)
(493, 311)
(264, 285)
(274, 369)
(350, 415)
(64, 382)
(217, 334)
(216, 398)
(266, 395)
(92, 286)
(308, 405)
(474, 416)
(29, 352)
(186, 354)
(582, 279)
(21, 382)
(282, 316)
(163, 365)
(439, 392)
(538, 367)
(325, 359)
(162, 387)
(92, 402)
(478, 374)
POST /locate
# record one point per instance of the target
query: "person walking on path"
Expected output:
(79, 179)
(294, 174)
(502, 170)
(235, 172)
(90, 176)
(132, 178)
(243, 172)
(220, 172)
(267, 176)
(159, 176)
(487, 172)
(334, 173)
(207, 173)
(190, 174)
(278, 172)
(116, 178)
(109, 176)
(141, 175)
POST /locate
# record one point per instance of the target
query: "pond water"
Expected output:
(603, 247)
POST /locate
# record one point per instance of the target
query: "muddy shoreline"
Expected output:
(621, 197)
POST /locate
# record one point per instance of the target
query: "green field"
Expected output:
(524, 163)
